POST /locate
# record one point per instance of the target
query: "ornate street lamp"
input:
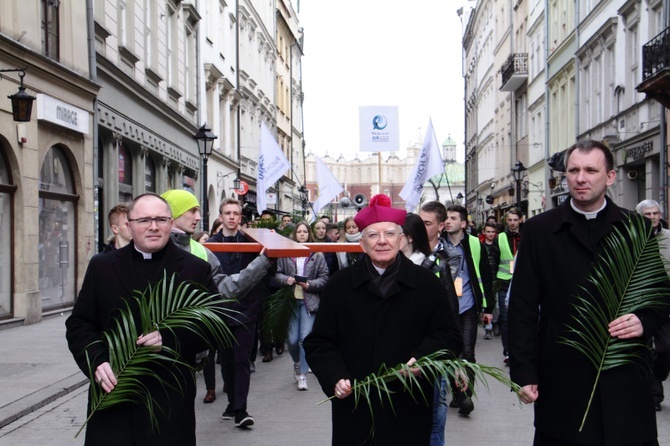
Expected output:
(22, 102)
(459, 198)
(205, 139)
(518, 172)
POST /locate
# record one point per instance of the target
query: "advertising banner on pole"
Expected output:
(379, 128)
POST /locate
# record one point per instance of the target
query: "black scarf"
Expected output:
(385, 284)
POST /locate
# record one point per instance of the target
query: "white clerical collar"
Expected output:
(145, 255)
(587, 215)
(379, 270)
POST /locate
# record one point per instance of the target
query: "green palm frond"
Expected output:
(279, 311)
(432, 367)
(167, 305)
(628, 276)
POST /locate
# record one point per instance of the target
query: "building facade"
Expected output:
(570, 73)
(220, 98)
(288, 98)
(147, 108)
(46, 164)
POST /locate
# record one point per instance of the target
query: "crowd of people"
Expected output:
(424, 282)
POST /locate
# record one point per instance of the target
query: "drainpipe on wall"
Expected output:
(93, 75)
(237, 87)
(549, 203)
(577, 65)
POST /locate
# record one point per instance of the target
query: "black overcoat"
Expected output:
(356, 331)
(555, 254)
(110, 279)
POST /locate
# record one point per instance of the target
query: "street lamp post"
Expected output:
(22, 102)
(518, 172)
(459, 198)
(205, 139)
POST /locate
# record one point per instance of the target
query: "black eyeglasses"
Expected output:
(145, 222)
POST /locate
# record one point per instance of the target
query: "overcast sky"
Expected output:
(381, 52)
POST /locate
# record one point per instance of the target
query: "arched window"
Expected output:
(6, 224)
(58, 233)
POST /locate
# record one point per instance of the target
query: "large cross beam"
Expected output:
(276, 245)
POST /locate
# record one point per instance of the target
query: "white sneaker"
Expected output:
(302, 382)
(296, 371)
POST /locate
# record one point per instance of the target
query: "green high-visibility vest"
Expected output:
(198, 250)
(506, 257)
(476, 252)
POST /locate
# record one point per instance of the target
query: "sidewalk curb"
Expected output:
(30, 403)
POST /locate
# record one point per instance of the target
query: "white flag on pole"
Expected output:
(328, 185)
(272, 164)
(427, 166)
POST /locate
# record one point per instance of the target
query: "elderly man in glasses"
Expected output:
(382, 310)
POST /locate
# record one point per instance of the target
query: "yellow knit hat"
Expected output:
(180, 201)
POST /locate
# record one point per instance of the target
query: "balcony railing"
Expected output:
(656, 54)
(514, 71)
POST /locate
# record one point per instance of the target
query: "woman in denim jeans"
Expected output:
(312, 273)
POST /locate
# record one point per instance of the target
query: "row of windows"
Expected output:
(283, 97)
(156, 38)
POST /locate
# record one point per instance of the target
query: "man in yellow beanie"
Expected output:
(186, 216)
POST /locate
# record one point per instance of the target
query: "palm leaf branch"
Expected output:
(279, 311)
(628, 276)
(167, 305)
(432, 367)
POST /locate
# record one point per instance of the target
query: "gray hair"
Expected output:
(647, 204)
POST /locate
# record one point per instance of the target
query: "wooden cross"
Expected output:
(276, 245)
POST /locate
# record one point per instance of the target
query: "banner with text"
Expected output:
(272, 164)
(379, 129)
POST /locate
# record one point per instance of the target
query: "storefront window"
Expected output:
(57, 243)
(125, 174)
(5, 239)
(150, 175)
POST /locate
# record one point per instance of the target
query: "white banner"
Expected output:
(329, 187)
(379, 129)
(272, 164)
(427, 166)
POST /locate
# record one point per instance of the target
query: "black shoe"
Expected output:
(457, 400)
(466, 406)
(228, 414)
(280, 349)
(658, 407)
(267, 357)
(243, 419)
(252, 367)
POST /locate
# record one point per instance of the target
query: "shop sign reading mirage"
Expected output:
(63, 114)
